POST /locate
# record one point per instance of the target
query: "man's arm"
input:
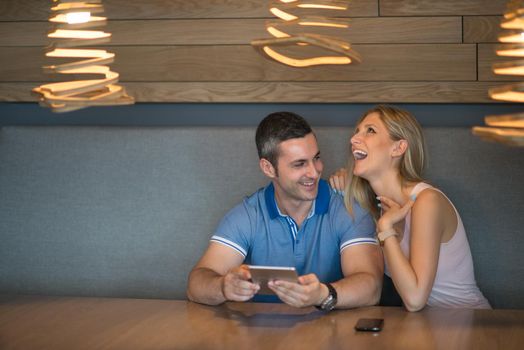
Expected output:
(219, 276)
(363, 268)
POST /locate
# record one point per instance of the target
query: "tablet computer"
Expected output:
(263, 274)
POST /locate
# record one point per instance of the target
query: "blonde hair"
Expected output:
(401, 125)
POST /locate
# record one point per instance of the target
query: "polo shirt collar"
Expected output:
(320, 205)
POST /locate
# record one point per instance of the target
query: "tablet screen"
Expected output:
(262, 274)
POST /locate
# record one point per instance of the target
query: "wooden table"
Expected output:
(101, 323)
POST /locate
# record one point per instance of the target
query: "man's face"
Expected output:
(299, 169)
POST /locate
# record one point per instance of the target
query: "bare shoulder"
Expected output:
(431, 198)
(432, 206)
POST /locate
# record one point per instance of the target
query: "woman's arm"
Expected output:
(414, 276)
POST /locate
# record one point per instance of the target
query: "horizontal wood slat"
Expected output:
(481, 29)
(487, 57)
(242, 31)
(162, 46)
(441, 7)
(34, 10)
(289, 92)
(417, 62)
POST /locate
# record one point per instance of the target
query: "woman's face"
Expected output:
(372, 148)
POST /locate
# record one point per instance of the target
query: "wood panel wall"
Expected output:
(198, 51)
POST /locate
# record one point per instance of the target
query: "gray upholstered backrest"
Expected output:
(117, 211)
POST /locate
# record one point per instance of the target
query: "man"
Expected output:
(297, 220)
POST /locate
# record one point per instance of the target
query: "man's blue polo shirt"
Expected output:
(258, 231)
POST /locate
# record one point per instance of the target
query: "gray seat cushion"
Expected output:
(127, 211)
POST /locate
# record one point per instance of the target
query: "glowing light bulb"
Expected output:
(78, 17)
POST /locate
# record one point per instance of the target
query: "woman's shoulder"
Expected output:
(428, 195)
(432, 204)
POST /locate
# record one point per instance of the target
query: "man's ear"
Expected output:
(400, 148)
(267, 168)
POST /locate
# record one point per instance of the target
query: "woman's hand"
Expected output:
(339, 179)
(392, 212)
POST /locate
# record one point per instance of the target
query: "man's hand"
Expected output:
(307, 292)
(236, 284)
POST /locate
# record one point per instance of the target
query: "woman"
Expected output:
(424, 243)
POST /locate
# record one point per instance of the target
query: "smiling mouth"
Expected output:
(359, 155)
(308, 185)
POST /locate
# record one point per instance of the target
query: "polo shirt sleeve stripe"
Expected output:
(357, 241)
(229, 243)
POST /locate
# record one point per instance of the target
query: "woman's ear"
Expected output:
(267, 168)
(400, 148)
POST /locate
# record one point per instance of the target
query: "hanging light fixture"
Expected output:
(508, 129)
(338, 51)
(71, 24)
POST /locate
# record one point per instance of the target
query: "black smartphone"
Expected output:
(369, 324)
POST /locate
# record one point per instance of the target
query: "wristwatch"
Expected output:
(382, 236)
(330, 302)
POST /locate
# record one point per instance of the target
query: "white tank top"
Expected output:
(454, 285)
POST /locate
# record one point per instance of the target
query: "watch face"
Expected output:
(330, 303)
(331, 300)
